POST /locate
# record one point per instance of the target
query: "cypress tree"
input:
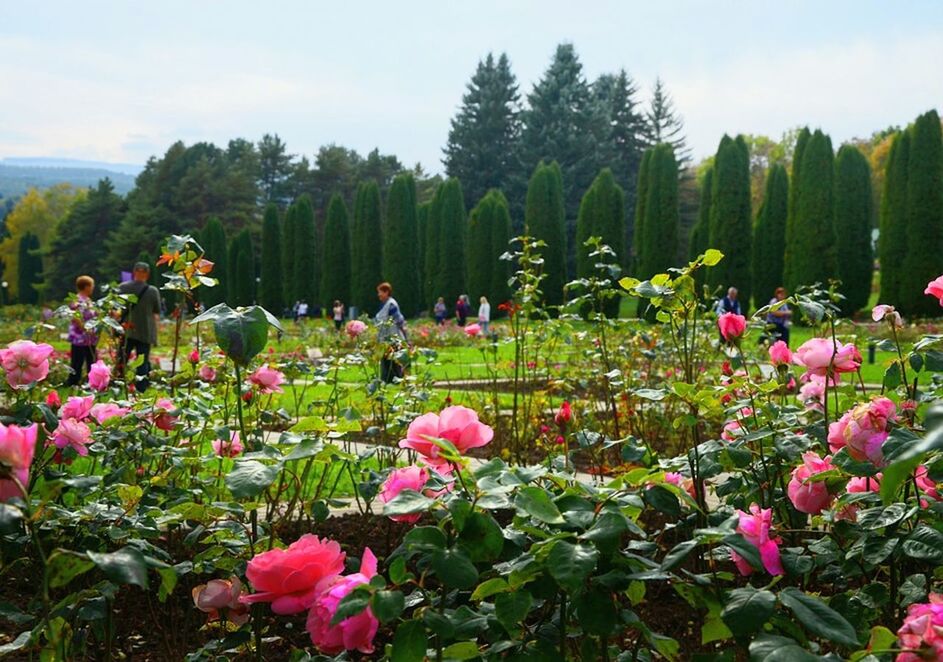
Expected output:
(479, 247)
(853, 214)
(585, 225)
(892, 241)
(730, 228)
(335, 274)
(422, 229)
(699, 240)
(451, 261)
(241, 255)
(545, 219)
(769, 236)
(289, 225)
(641, 193)
(305, 263)
(431, 254)
(500, 237)
(660, 225)
(801, 141)
(30, 268)
(401, 244)
(271, 294)
(602, 214)
(367, 247)
(233, 293)
(810, 257)
(924, 216)
(213, 240)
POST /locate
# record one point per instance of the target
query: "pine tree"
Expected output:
(892, 240)
(450, 276)
(853, 223)
(30, 269)
(665, 125)
(500, 291)
(289, 248)
(335, 265)
(641, 192)
(810, 257)
(801, 141)
(924, 216)
(769, 236)
(401, 244)
(305, 265)
(431, 256)
(545, 220)
(731, 226)
(213, 241)
(700, 238)
(367, 246)
(271, 293)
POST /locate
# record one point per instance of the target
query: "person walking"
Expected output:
(440, 311)
(338, 311)
(780, 318)
(83, 341)
(730, 303)
(140, 320)
(484, 315)
(462, 308)
(391, 329)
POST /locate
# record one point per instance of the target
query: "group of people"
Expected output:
(463, 312)
(778, 319)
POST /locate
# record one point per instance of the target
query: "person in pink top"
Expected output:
(83, 341)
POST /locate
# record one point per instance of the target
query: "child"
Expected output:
(83, 341)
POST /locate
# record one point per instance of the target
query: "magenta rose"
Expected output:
(99, 376)
(755, 526)
(353, 633)
(810, 497)
(77, 407)
(779, 354)
(921, 634)
(731, 326)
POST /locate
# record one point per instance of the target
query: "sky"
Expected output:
(121, 81)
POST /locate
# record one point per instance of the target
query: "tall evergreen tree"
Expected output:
(500, 290)
(367, 246)
(892, 240)
(853, 223)
(289, 248)
(602, 214)
(451, 245)
(483, 147)
(659, 236)
(545, 219)
(431, 256)
(665, 125)
(731, 225)
(233, 290)
(213, 241)
(769, 236)
(335, 265)
(924, 216)
(810, 257)
(275, 168)
(401, 244)
(30, 269)
(271, 294)
(305, 265)
(585, 224)
(641, 192)
(791, 223)
(488, 235)
(700, 239)
(422, 229)
(241, 254)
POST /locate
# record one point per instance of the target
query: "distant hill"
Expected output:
(17, 175)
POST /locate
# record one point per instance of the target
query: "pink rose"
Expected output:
(926, 485)
(812, 393)
(74, 433)
(885, 312)
(288, 578)
(735, 429)
(810, 497)
(221, 596)
(162, 415)
(53, 401)
(267, 379)
(353, 633)
(194, 356)
(17, 446)
(25, 362)
(106, 410)
(414, 478)
(863, 430)
(935, 289)
(779, 354)
(921, 634)
(731, 326)
(564, 415)
(230, 448)
(77, 407)
(685, 483)
(355, 328)
(207, 373)
(99, 376)
(458, 425)
(855, 485)
(754, 526)
(822, 356)
(472, 330)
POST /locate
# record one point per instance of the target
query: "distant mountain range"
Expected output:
(19, 174)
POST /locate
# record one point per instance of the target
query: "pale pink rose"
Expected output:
(935, 289)
(207, 373)
(289, 578)
(355, 328)
(810, 497)
(17, 446)
(735, 429)
(863, 430)
(682, 481)
(812, 393)
(162, 415)
(921, 634)
(731, 326)
(353, 633)
(472, 330)
(822, 356)
(106, 410)
(25, 363)
(754, 526)
(99, 376)
(885, 312)
(856, 485)
(221, 596)
(71, 432)
(779, 354)
(458, 425)
(77, 407)
(230, 448)
(269, 380)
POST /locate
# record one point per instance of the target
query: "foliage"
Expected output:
(769, 237)
(29, 266)
(731, 226)
(602, 215)
(658, 226)
(892, 240)
(488, 236)
(401, 242)
(853, 223)
(213, 240)
(336, 264)
(545, 222)
(450, 263)
(305, 267)
(271, 286)
(366, 249)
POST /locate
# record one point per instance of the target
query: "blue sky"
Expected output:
(120, 81)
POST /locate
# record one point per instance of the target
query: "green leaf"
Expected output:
(491, 587)
(481, 537)
(662, 500)
(63, 566)
(304, 449)
(536, 502)
(677, 554)
(406, 503)
(454, 568)
(424, 539)
(409, 642)
(609, 527)
(249, 478)
(571, 564)
(818, 617)
(352, 604)
(712, 256)
(892, 376)
(771, 648)
(398, 572)
(872, 519)
(744, 548)
(463, 650)
(895, 474)
(241, 334)
(747, 610)
(512, 608)
(388, 605)
(126, 566)
(925, 543)
(876, 549)
(596, 611)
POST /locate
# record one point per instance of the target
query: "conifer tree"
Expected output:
(401, 244)
(853, 223)
(488, 235)
(500, 237)
(659, 234)
(665, 125)
(213, 241)
(367, 246)
(892, 240)
(289, 225)
(271, 293)
(545, 220)
(801, 141)
(585, 225)
(731, 226)
(641, 192)
(422, 229)
(335, 264)
(924, 216)
(233, 293)
(30, 269)
(699, 239)
(450, 276)
(769, 236)
(431, 255)
(305, 267)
